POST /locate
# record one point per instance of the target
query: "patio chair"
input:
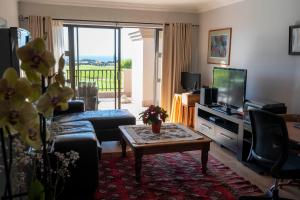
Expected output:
(88, 92)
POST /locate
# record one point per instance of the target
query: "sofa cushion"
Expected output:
(101, 119)
(84, 176)
(75, 127)
(105, 122)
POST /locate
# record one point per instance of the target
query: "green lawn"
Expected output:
(103, 76)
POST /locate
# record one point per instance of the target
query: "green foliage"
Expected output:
(104, 76)
(36, 191)
(126, 63)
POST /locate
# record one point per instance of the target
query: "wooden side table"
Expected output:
(188, 106)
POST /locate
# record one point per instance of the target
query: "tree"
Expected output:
(126, 63)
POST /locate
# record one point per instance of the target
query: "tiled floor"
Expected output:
(109, 103)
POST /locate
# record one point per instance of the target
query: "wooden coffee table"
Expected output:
(139, 150)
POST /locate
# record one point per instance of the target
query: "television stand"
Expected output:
(225, 129)
(214, 105)
(225, 110)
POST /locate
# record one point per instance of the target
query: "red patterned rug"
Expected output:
(171, 176)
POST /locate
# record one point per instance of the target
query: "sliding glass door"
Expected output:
(93, 57)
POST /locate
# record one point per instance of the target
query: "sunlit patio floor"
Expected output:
(109, 103)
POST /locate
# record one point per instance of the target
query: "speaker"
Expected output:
(208, 96)
(214, 95)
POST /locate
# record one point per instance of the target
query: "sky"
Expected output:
(95, 41)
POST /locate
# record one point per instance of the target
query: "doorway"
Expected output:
(93, 64)
(122, 63)
(141, 47)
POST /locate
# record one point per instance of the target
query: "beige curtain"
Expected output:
(177, 57)
(58, 39)
(40, 26)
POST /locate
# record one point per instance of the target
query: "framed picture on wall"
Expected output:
(294, 43)
(219, 45)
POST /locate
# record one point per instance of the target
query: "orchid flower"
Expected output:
(36, 59)
(55, 97)
(17, 115)
(31, 135)
(14, 88)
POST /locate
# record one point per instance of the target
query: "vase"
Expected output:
(156, 126)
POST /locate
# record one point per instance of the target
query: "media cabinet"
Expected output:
(229, 131)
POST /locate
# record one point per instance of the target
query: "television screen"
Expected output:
(189, 80)
(231, 84)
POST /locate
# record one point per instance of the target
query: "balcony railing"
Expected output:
(104, 78)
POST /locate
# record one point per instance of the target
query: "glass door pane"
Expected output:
(95, 55)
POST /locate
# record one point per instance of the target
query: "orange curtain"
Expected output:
(176, 111)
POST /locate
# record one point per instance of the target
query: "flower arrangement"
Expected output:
(154, 116)
(25, 105)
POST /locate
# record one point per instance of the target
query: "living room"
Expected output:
(259, 44)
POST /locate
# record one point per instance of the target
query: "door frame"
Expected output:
(117, 55)
(156, 77)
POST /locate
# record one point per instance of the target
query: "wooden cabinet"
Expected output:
(188, 107)
(189, 99)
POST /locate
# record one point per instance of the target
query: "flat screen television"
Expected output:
(190, 81)
(231, 84)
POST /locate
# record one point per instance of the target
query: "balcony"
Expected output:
(104, 79)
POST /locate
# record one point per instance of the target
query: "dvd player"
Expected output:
(266, 105)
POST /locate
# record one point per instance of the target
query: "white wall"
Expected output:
(148, 71)
(137, 72)
(105, 14)
(9, 11)
(92, 13)
(260, 39)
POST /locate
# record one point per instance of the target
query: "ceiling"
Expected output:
(190, 6)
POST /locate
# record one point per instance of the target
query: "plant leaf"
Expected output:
(36, 191)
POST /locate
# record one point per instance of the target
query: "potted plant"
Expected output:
(25, 105)
(154, 116)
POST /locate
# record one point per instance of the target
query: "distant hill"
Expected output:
(97, 58)
(93, 60)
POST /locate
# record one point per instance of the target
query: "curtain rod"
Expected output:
(21, 18)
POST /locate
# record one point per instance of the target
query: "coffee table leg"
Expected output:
(204, 159)
(123, 144)
(138, 165)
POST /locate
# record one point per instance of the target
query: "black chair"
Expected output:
(270, 149)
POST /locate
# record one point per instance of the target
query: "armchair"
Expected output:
(88, 92)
